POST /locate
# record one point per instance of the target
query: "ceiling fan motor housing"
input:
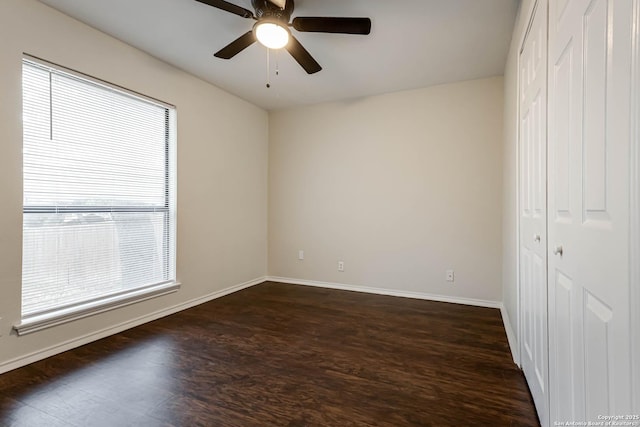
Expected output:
(265, 10)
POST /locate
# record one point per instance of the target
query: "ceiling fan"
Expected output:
(272, 29)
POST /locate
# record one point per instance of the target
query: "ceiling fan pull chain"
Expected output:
(277, 63)
(268, 71)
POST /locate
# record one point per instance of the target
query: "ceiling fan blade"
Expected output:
(229, 7)
(303, 57)
(318, 24)
(236, 46)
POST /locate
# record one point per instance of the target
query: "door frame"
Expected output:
(634, 188)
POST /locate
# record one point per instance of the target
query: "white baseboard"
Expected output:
(390, 292)
(111, 330)
(511, 336)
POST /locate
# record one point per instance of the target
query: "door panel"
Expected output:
(527, 313)
(563, 314)
(562, 71)
(594, 139)
(589, 135)
(533, 208)
(597, 356)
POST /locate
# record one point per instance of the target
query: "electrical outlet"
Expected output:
(450, 275)
(340, 265)
(300, 254)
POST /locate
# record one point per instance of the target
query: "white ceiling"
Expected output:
(413, 44)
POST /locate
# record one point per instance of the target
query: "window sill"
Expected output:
(39, 322)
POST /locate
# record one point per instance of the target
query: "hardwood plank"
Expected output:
(17, 414)
(286, 355)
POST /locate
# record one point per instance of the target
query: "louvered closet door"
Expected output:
(589, 135)
(533, 208)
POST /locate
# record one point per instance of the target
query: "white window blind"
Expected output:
(99, 191)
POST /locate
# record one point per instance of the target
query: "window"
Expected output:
(99, 193)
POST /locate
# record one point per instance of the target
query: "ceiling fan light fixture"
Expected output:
(271, 34)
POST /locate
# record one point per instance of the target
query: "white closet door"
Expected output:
(533, 208)
(589, 135)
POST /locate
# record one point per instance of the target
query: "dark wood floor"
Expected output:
(284, 355)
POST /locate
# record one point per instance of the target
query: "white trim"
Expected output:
(634, 231)
(111, 330)
(39, 322)
(56, 68)
(389, 292)
(511, 335)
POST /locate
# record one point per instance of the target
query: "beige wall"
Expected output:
(510, 173)
(222, 169)
(401, 187)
